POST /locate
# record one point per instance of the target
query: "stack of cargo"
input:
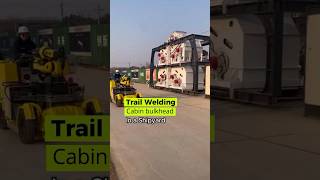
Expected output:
(155, 75)
(241, 53)
(175, 69)
(182, 53)
(164, 56)
(182, 78)
(162, 80)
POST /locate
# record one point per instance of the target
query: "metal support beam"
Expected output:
(263, 7)
(152, 68)
(195, 66)
(277, 48)
(182, 40)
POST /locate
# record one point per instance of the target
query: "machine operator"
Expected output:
(117, 76)
(23, 44)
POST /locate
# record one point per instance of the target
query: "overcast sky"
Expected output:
(49, 8)
(137, 26)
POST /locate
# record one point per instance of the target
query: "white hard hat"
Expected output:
(23, 29)
(117, 70)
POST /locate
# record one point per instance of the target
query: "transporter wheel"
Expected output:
(26, 128)
(119, 102)
(3, 122)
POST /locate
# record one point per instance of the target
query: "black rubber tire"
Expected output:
(119, 103)
(26, 129)
(3, 122)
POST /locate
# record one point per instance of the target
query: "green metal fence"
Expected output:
(134, 74)
(90, 44)
(61, 38)
(7, 40)
(86, 44)
(142, 75)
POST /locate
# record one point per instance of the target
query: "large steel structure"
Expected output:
(194, 61)
(275, 11)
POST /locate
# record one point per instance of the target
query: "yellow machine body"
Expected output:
(46, 53)
(47, 62)
(125, 81)
(8, 73)
(33, 113)
(117, 96)
(54, 68)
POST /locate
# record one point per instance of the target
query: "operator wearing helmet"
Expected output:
(23, 43)
(117, 76)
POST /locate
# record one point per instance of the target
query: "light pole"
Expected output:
(62, 10)
(99, 10)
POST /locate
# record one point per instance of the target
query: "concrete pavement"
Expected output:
(260, 143)
(176, 150)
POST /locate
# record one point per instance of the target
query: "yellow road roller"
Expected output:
(122, 88)
(34, 86)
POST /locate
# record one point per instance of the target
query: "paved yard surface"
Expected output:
(176, 150)
(259, 143)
